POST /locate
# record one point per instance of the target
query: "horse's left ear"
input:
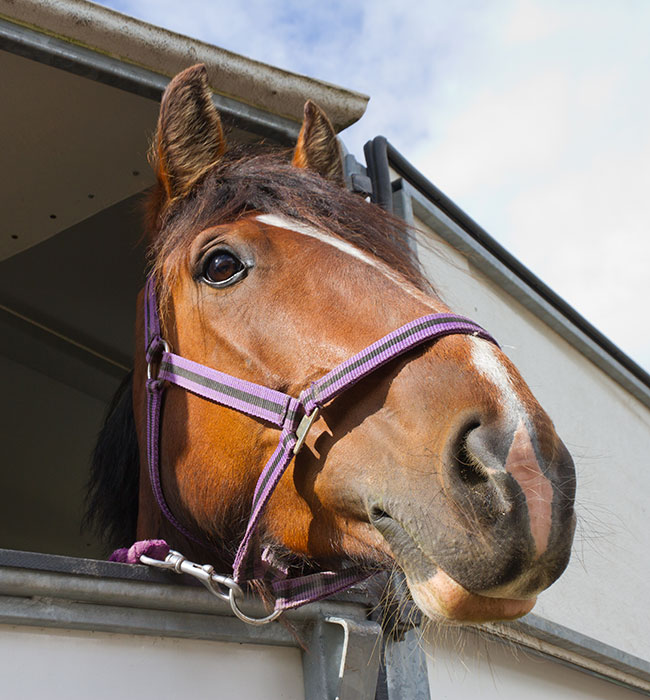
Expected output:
(317, 148)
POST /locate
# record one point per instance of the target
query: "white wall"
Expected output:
(604, 593)
(43, 663)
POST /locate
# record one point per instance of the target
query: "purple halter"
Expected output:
(293, 416)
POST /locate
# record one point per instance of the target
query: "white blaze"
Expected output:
(348, 249)
(488, 363)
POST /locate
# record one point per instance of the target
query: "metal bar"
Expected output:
(93, 568)
(563, 648)
(341, 661)
(151, 595)
(403, 207)
(538, 628)
(407, 677)
(74, 615)
(359, 664)
(375, 152)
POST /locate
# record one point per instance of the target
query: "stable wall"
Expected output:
(105, 666)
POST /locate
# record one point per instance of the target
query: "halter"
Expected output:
(293, 417)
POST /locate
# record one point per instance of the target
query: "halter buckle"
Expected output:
(303, 428)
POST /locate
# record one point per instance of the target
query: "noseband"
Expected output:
(292, 416)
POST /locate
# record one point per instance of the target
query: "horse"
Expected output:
(264, 267)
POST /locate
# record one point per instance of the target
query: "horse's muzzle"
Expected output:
(505, 534)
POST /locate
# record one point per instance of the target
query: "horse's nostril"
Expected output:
(467, 466)
(377, 513)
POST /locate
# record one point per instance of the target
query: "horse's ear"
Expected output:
(317, 147)
(189, 139)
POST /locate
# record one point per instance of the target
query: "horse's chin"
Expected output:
(441, 598)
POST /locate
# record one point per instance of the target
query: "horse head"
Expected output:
(441, 462)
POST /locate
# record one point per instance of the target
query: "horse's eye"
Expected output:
(223, 268)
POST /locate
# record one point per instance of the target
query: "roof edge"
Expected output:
(266, 87)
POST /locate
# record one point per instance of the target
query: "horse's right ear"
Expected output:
(317, 148)
(189, 139)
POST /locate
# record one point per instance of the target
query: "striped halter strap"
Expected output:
(293, 416)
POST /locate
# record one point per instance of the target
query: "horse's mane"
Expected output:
(112, 490)
(243, 182)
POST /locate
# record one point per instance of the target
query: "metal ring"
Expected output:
(166, 348)
(256, 621)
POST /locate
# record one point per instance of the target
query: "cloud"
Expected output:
(531, 114)
(500, 135)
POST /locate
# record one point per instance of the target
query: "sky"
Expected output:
(532, 115)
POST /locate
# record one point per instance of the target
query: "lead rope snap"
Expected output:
(215, 583)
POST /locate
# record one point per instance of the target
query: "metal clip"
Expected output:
(215, 583)
(204, 573)
(303, 428)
